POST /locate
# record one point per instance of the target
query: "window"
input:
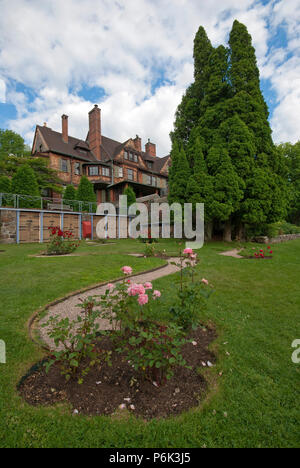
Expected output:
(149, 164)
(105, 171)
(125, 155)
(64, 165)
(119, 171)
(135, 158)
(151, 180)
(130, 157)
(77, 168)
(130, 174)
(93, 170)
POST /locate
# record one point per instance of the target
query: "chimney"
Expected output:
(95, 131)
(138, 143)
(64, 127)
(150, 148)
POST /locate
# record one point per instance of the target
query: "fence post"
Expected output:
(92, 227)
(41, 227)
(18, 228)
(62, 221)
(80, 227)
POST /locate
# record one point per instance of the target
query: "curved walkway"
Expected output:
(232, 253)
(67, 307)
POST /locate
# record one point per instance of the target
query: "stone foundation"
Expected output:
(8, 227)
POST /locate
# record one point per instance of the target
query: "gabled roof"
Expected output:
(79, 149)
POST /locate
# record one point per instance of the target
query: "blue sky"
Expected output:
(135, 60)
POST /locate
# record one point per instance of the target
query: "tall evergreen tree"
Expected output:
(189, 110)
(24, 183)
(178, 175)
(200, 185)
(225, 109)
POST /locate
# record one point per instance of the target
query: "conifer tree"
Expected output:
(189, 110)
(178, 175)
(24, 183)
(69, 197)
(131, 197)
(85, 193)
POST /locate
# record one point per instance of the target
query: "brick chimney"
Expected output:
(150, 148)
(64, 127)
(138, 143)
(95, 131)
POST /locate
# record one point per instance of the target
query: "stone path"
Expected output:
(232, 253)
(67, 308)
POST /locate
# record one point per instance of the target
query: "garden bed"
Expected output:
(105, 389)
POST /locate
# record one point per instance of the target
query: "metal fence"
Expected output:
(45, 203)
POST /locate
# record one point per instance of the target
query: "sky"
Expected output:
(134, 58)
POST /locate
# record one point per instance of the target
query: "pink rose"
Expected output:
(127, 270)
(156, 294)
(148, 285)
(110, 286)
(204, 281)
(143, 299)
(188, 251)
(133, 290)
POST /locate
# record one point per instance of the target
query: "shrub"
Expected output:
(154, 349)
(61, 242)
(5, 187)
(85, 193)
(69, 197)
(131, 198)
(192, 293)
(77, 338)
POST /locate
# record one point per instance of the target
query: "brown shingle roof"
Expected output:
(80, 149)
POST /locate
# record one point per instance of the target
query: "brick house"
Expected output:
(110, 165)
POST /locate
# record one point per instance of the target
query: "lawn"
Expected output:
(255, 308)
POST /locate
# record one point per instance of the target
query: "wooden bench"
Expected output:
(58, 207)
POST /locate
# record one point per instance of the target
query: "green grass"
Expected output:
(255, 309)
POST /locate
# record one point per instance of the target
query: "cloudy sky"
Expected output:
(134, 58)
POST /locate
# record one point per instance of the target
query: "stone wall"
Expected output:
(284, 238)
(276, 240)
(8, 226)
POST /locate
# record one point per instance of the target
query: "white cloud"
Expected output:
(2, 91)
(57, 47)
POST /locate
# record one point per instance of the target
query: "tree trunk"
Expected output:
(240, 236)
(227, 231)
(208, 230)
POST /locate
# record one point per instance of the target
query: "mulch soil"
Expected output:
(105, 389)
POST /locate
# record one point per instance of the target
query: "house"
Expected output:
(109, 164)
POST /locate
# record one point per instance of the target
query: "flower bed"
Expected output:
(139, 354)
(61, 242)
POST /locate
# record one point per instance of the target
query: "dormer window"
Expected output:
(149, 164)
(125, 154)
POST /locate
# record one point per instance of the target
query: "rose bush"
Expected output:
(61, 242)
